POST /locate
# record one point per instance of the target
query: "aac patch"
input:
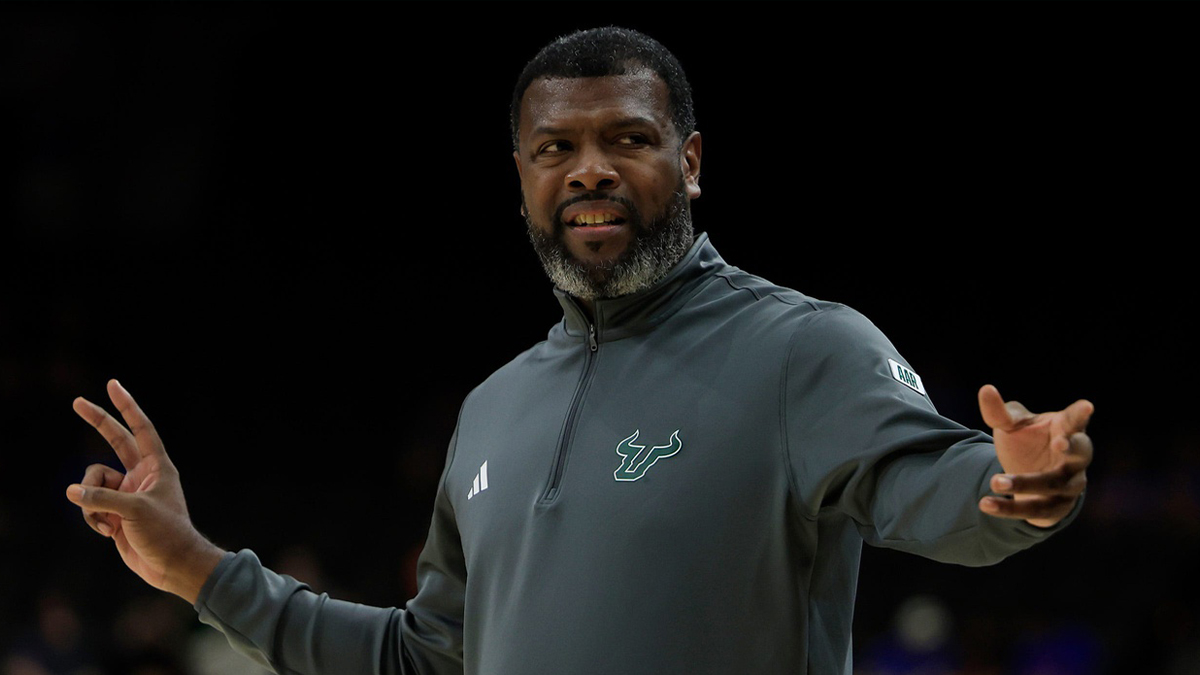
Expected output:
(907, 377)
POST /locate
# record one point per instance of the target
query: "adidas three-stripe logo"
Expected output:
(480, 483)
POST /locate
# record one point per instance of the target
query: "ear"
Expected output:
(521, 176)
(689, 164)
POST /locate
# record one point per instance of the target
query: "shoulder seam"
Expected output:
(776, 295)
(728, 280)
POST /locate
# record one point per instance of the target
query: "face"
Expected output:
(605, 181)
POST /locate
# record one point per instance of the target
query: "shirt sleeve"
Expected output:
(863, 438)
(281, 624)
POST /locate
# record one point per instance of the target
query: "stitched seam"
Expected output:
(734, 286)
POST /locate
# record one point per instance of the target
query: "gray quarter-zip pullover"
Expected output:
(682, 485)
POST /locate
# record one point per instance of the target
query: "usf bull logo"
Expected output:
(636, 459)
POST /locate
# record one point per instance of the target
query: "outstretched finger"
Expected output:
(118, 437)
(1001, 415)
(991, 406)
(996, 413)
(1077, 415)
(144, 434)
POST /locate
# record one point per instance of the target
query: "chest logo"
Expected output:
(636, 459)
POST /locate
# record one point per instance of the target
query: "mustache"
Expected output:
(635, 218)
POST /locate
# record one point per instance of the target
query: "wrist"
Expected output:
(189, 576)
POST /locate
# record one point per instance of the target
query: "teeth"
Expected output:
(594, 218)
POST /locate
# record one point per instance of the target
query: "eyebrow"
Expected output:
(624, 122)
(634, 121)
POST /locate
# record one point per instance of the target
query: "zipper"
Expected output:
(560, 456)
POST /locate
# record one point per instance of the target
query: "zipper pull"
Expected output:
(592, 337)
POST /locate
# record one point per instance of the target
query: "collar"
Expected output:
(616, 318)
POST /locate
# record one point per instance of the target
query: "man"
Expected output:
(678, 479)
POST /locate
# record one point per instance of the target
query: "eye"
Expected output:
(554, 147)
(632, 139)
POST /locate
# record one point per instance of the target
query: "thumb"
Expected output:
(102, 500)
(991, 407)
(999, 414)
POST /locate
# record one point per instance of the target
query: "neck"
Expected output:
(588, 307)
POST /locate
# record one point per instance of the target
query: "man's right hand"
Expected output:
(143, 509)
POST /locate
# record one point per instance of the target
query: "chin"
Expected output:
(603, 263)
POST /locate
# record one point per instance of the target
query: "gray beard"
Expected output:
(654, 250)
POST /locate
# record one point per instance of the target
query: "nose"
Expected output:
(593, 170)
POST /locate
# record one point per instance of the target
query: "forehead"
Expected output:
(568, 102)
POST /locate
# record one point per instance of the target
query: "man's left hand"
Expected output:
(1045, 458)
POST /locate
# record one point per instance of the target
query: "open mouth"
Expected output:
(595, 220)
(596, 213)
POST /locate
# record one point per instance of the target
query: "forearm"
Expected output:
(926, 504)
(279, 623)
(862, 440)
(282, 625)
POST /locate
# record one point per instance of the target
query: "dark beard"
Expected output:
(655, 248)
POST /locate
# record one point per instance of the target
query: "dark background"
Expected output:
(292, 231)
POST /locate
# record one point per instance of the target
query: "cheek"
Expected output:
(653, 189)
(540, 195)
(540, 201)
